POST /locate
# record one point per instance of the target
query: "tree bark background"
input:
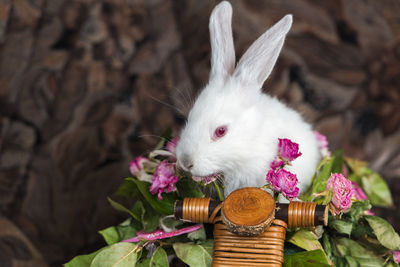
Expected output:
(86, 85)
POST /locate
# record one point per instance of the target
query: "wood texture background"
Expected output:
(81, 83)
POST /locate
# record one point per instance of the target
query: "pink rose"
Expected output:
(276, 164)
(288, 150)
(342, 190)
(283, 181)
(164, 178)
(171, 145)
(136, 165)
(358, 193)
(396, 255)
(323, 144)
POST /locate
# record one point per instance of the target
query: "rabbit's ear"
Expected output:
(257, 63)
(222, 50)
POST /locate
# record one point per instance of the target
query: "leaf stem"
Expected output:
(221, 197)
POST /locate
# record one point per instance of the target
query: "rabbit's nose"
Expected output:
(187, 161)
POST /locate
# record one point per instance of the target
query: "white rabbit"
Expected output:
(233, 128)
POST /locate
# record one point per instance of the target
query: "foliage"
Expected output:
(352, 237)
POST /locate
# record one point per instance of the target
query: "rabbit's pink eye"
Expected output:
(220, 132)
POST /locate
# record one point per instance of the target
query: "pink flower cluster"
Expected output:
(342, 190)
(283, 181)
(280, 179)
(164, 177)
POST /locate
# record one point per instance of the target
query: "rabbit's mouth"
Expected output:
(208, 178)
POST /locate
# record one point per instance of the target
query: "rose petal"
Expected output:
(160, 234)
(342, 190)
(164, 178)
(288, 150)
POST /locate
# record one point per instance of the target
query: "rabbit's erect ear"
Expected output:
(257, 63)
(222, 50)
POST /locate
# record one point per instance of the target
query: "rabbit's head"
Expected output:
(222, 127)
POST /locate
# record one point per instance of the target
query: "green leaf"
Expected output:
(110, 235)
(165, 137)
(150, 218)
(371, 182)
(364, 257)
(318, 183)
(341, 226)
(138, 209)
(195, 255)
(144, 263)
(340, 262)
(385, 233)
(326, 243)
(337, 164)
(305, 239)
(128, 228)
(376, 189)
(187, 187)
(83, 260)
(351, 261)
(361, 230)
(392, 264)
(170, 223)
(356, 166)
(128, 189)
(315, 258)
(164, 206)
(357, 210)
(290, 249)
(159, 258)
(120, 207)
(198, 235)
(117, 255)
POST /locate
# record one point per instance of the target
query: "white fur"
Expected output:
(255, 120)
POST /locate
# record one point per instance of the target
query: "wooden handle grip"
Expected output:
(295, 214)
(197, 210)
(302, 214)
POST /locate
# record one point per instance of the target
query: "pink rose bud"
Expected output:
(342, 190)
(396, 255)
(288, 150)
(323, 144)
(369, 212)
(164, 178)
(171, 145)
(283, 181)
(137, 165)
(276, 164)
(358, 193)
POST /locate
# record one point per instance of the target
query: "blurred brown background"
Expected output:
(81, 83)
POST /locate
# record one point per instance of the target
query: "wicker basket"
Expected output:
(250, 234)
